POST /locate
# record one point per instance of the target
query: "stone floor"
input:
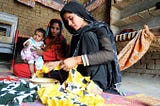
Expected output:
(132, 82)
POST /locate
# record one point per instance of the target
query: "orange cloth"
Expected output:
(135, 49)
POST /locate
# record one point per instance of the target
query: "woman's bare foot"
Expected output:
(33, 76)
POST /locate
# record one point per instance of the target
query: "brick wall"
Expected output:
(149, 64)
(29, 18)
(102, 13)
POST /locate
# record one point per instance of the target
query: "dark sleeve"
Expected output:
(64, 47)
(105, 52)
(64, 43)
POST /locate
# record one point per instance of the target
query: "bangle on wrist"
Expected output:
(85, 60)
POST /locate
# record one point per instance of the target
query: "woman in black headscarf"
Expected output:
(93, 48)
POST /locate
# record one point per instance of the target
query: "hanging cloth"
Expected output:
(135, 49)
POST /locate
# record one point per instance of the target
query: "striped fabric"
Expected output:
(126, 36)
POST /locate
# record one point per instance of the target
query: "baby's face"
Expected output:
(38, 36)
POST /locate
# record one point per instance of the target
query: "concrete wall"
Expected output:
(134, 15)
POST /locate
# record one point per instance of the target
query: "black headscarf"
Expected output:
(112, 67)
(93, 25)
(78, 9)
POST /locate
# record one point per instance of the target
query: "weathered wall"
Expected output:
(149, 64)
(134, 14)
(29, 18)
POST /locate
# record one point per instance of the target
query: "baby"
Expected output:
(28, 54)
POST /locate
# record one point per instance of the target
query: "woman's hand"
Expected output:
(70, 63)
(51, 65)
(38, 51)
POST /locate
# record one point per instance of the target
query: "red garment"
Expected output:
(50, 53)
(55, 52)
(22, 70)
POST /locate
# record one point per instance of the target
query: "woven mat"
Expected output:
(131, 100)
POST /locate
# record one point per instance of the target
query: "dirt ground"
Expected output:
(145, 84)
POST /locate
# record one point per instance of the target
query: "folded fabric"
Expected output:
(15, 92)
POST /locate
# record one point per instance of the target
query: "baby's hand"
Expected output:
(25, 61)
(27, 44)
(33, 49)
(42, 46)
